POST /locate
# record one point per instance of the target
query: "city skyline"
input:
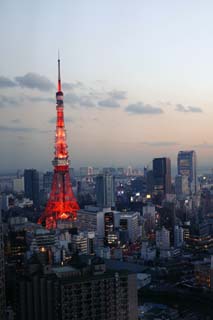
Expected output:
(134, 88)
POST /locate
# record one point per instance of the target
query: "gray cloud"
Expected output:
(71, 86)
(16, 129)
(204, 145)
(187, 109)
(6, 82)
(109, 103)
(85, 101)
(161, 143)
(118, 94)
(15, 120)
(141, 108)
(35, 81)
(41, 99)
(6, 101)
(21, 129)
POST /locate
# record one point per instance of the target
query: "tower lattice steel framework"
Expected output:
(62, 204)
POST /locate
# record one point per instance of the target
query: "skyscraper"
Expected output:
(2, 278)
(186, 162)
(181, 186)
(105, 190)
(162, 175)
(31, 185)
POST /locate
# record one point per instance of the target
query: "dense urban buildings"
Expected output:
(2, 275)
(75, 292)
(92, 243)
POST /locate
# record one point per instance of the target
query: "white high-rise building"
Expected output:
(129, 222)
(80, 243)
(18, 185)
(163, 239)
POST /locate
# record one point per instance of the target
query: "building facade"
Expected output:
(2, 274)
(31, 185)
(162, 175)
(70, 293)
(105, 190)
(187, 166)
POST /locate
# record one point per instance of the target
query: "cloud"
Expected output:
(118, 94)
(15, 120)
(204, 145)
(109, 103)
(16, 129)
(73, 99)
(141, 108)
(6, 82)
(161, 143)
(21, 129)
(187, 109)
(71, 86)
(35, 81)
(41, 99)
(6, 101)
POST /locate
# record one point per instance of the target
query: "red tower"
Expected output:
(62, 204)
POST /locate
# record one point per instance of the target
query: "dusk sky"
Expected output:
(137, 77)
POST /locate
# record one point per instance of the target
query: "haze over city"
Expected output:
(136, 75)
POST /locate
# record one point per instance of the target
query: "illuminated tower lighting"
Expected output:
(62, 204)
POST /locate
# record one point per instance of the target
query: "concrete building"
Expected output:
(87, 219)
(163, 239)
(68, 293)
(129, 222)
(80, 243)
(18, 185)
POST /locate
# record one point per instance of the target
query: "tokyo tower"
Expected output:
(62, 204)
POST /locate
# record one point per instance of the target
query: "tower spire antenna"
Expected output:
(59, 72)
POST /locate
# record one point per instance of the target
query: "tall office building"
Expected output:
(105, 190)
(2, 277)
(181, 186)
(31, 185)
(162, 175)
(186, 163)
(47, 181)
